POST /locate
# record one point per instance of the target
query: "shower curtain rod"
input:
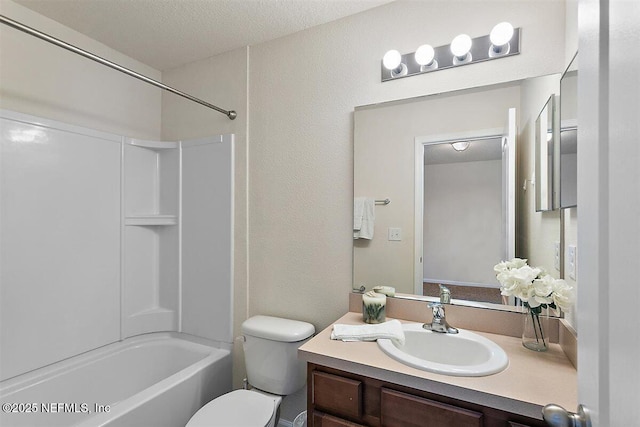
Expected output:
(43, 36)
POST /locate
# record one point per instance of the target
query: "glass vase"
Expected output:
(535, 330)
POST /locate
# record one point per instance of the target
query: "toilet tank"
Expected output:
(271, 353)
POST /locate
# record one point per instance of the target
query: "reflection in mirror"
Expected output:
(544, 157)
(386, 163)
(569, 136)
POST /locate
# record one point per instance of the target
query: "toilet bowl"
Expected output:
(273, 370)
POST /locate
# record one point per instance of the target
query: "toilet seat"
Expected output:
(232, 410)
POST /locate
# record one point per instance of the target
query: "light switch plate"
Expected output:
(556, 255)
(395, 234)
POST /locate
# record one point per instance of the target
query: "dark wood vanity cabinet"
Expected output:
(341, 399)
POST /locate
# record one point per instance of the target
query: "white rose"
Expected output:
(526, 274)
(501, 267)
(563, 295)
(517, 282)
(542, 290)
(508, 265)
(517, 263)
(527, 297)
(511, 288)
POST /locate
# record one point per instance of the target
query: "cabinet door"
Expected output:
(405, 410)
(325, 420)
(337, 395)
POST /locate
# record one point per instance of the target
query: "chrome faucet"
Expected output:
(439, 323)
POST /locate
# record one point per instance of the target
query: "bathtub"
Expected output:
(156, 379)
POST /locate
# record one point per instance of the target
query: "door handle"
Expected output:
(557, 416)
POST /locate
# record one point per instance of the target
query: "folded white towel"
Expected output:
(390, 330)
(363, 217)
(358, 208)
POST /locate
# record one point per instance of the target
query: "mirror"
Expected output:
(569, 136)
(389, 149)
(545, 137)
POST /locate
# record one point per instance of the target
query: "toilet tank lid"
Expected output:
(277, 329)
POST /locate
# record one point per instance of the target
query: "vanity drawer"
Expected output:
(405, 410)
(337, 395)
(325, 420)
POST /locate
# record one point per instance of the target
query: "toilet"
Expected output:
(273, 371)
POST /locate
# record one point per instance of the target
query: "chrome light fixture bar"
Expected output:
(482, 49)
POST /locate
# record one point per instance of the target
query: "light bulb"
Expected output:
(391, 60)
(461, 45)
(501, 34)
(424, 54)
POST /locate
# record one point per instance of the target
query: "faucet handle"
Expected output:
(438, 310)
(445, 295)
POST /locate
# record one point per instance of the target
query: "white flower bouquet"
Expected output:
(533, 286)
(537, 290)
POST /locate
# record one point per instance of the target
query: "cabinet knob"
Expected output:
(557, 416)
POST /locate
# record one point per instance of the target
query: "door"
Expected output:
(609, 212)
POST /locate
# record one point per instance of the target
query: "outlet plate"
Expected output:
(572, 259)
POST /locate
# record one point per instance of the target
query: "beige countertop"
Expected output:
(531, 380)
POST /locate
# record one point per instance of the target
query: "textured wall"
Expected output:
(41, 79)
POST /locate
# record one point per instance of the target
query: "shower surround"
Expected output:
(105, 237)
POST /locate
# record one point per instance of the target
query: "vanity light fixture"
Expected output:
(460, 145)
(502, 42)
(461, 49)
(392, 61)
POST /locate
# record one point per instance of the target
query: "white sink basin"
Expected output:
(464, 354)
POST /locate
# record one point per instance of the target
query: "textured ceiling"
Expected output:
(168, 33)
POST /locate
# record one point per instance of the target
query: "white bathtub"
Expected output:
(150, 380)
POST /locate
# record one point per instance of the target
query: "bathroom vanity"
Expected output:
(356, 384)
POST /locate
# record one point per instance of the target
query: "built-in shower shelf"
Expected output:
(151, 220)
(152, 145)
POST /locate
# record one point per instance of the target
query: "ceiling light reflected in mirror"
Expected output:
(460, 145)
